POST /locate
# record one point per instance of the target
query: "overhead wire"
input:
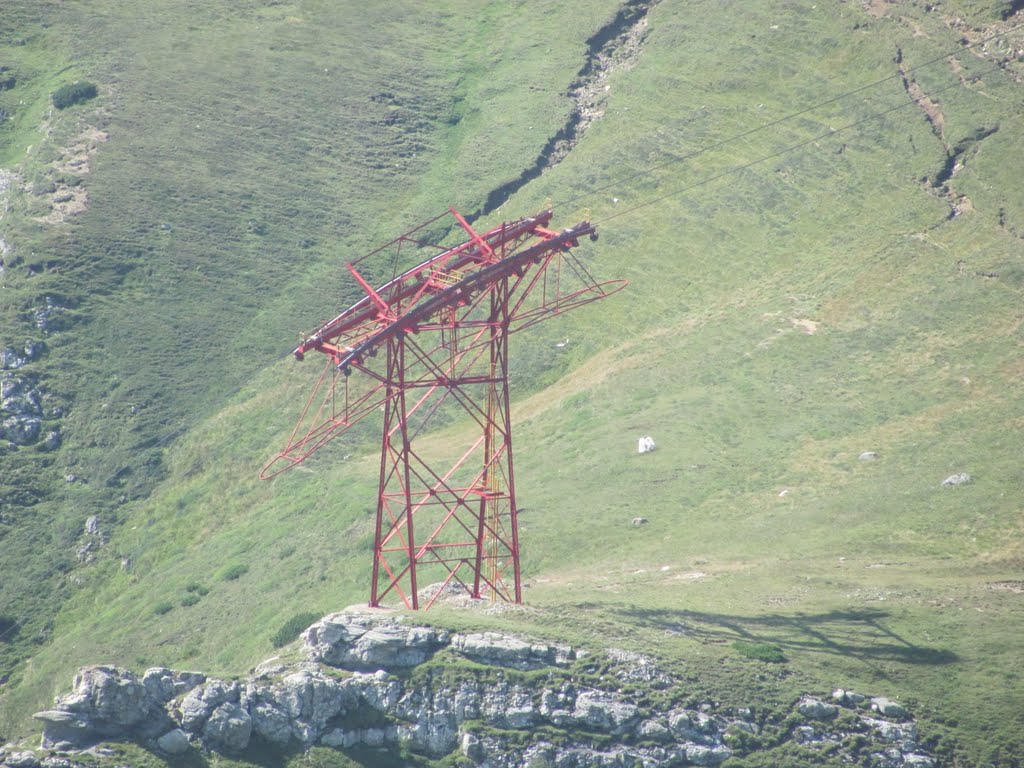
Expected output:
(831, 132)
(791, 116)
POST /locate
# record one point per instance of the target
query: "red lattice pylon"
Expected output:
(432, 345)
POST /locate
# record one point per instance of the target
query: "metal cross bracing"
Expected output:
(432, 345)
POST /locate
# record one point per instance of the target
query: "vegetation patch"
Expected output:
(759, 651)
(233, 572)
(292, 628)
(74, 93)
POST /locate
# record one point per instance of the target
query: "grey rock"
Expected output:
(228, 728)
(174, 742)
(22, 430)
(272, 724)
(887, 707)
(199, 704)
(906, 733)
(50, 317)
(603, 710)
(60, 726)
(309, 701)
(506, 706)
(688, 725)
(914, 760)
(654, 730)
(92, 526)
(501, 650)
(10, 359)
(32, 349)
(868, 456)
(25, 759)
(469, 746)
(952, 481)
(158, 681)
(374, 737)
(186, 681)
(699, 754)
(52, 440)
(339, 739)
(817, 710)
(114, 699)
(805, 734)
(365, 642)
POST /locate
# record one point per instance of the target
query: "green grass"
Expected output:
(780, 322)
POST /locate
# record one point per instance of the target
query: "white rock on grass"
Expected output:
(887, 707)
(952, 481)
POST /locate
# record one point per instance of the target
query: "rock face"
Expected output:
(362, 642)
(485, 710)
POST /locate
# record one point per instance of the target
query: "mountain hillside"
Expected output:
(818, 208)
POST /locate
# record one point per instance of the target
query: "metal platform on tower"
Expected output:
(431, 345)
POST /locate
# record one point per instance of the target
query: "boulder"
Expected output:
(24, 759)
(952, 481)
(887, 707)
(271, 723)
(817, 710)
(113, 698)
(64, 727)
(52, 440)
(199, 704)
(21, 430)
(906, 733)
(367, 642)
(914, 760)
(698, 754)
(10, 359)
(339, 739)
(604, 711)
(174, 742)
(228, 728)
(501, 650)
(654, 730)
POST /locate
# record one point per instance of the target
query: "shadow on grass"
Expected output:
(858, 634)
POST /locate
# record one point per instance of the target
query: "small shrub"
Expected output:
(161, 608)
(197, 589)
(234, 571)
(190, 599)
(759, 651)
(292, 628)
(75, 93)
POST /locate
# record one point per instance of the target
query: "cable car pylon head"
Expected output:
(434, 340)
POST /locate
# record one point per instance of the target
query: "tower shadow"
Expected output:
(861, 634)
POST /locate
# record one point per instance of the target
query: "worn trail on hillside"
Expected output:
(614, 47)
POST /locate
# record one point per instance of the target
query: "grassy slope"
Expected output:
(867, 573)
(247, 147)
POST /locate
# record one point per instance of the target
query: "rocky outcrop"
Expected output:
(365, 642)
(437, 693)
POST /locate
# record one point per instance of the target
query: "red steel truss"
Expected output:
(432, 345)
